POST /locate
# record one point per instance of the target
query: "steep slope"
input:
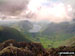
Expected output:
(10, 33)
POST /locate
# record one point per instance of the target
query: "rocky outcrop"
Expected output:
(13, 48)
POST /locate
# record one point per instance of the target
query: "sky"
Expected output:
(11, 7)
(38, 10)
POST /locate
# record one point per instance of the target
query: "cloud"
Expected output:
(15, 7)
(12, 6)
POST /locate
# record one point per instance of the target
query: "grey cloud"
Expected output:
(12, 6)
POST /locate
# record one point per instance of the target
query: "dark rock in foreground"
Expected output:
(13, 48)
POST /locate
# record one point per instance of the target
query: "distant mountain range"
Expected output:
(23, 25)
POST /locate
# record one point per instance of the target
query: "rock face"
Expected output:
(13, 48)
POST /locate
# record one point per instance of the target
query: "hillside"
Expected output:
(10, 33)
(64, 27)
(55, 34)
(69, 42)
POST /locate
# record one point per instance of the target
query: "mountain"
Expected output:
(7, 23)
(57, 34)
(11, 33)
(48, 34)
(23, 25)
(60, 28)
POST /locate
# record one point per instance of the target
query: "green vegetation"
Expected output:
(69, 42)
(55, 35)
(10, 33)
(51, 35)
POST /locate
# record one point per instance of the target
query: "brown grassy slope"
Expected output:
(13, 48)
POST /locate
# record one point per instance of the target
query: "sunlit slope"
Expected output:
(10, 33)
(70, 42)
(58, 35)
